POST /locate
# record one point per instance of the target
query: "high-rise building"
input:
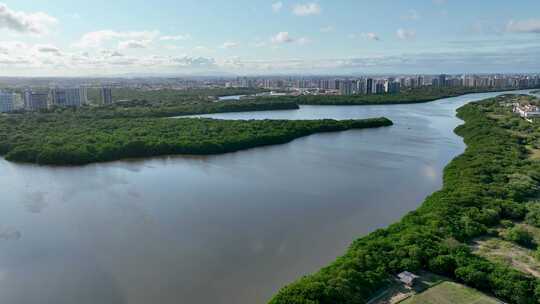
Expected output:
(35, 100)
(84, 95)
(442, 80)
(394, 87)
(7, 102)
(106, 96)
(70, 97)
(379, 88)
(346, 87)
(359, 87)
(369, 86)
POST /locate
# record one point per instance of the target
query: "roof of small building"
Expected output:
(407, 277)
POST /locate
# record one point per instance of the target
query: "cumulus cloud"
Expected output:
(23, 22)
(277, 6)
(175, 38)
(99, 38)
(229, 45)
(282, 37)
(285, 38)
(133, 44)
(22, 57)
(307, 9)
(524, 26)
(405, 34)
(198, 62)
(371, 36)
(48, 48)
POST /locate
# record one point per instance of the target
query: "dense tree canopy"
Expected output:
(481, 187)
(75, 139)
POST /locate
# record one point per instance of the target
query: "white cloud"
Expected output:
(277, 6)
(22, 22)
(198, 62)
(99, 38)
(307, 9)
(303, 40)
(405, 34)
(48, 48)
(116, 54)
(524, 26)
(285, 38)
(134, 44)
(175, 38)
(371, 36)
(281, 38)
(19, 58)
(229, 45)
(202, 48)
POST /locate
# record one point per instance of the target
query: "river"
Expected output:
(222, 229)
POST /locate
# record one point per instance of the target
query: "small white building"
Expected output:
(407, 278)
(527, 111)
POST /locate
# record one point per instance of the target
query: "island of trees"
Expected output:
(79, 138)
(491, 186)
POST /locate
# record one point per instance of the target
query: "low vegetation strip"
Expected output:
(75, 140)
(144, 108)
(489, 182)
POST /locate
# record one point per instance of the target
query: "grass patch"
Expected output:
(534, 154)
(450, 292)
(396, 291)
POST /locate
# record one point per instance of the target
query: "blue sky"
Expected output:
(77, 38)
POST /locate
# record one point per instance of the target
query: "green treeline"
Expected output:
(75, 140)
(144, 108)
(488, 183)
(407, 96)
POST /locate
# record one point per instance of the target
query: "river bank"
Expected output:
(486, 184)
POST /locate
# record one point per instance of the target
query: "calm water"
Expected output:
(222, 229)
(233, 97)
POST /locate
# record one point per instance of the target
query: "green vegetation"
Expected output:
(490, 182)
(409, 96)
(142, 108)
(76, 139)
(450, 292)
(520, 236)
(533, 214)
(510, 253)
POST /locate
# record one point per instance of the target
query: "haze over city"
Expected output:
(100, 38)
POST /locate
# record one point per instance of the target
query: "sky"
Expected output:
(258, 37)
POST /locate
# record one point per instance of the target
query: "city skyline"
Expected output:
(62, 38)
